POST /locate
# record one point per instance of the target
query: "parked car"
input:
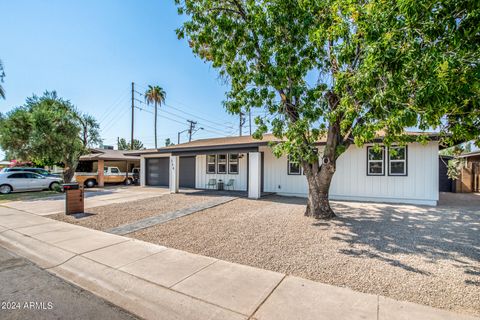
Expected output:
(40, 171)
(110, 175)
(26, 181)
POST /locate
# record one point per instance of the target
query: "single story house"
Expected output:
(99, 158)
(409, 175)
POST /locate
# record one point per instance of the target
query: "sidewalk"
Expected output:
(156, 282)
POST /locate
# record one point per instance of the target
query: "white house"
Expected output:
(409, 175)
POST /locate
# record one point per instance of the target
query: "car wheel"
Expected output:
(128, 182)
(54, 186)
(90, 183)
(5, 189)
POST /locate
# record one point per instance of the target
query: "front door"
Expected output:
(157, 173)
(187, 172)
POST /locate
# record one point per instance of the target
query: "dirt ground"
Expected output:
(114, 215)
(427, 255)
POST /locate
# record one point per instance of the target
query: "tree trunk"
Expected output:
(68, 174)
(155, 125)
(319, 180)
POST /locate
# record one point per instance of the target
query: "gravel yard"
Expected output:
(114, 215)
(427, 255)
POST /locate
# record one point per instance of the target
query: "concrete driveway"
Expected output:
(93, 198)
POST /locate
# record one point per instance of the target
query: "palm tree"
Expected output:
(156, 95)
(2, 75)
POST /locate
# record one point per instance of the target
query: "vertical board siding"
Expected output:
(202, 176)
(350, 181)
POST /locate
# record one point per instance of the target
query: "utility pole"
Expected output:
(190, 130)
(133, 112)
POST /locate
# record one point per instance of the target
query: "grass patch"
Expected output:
(31, 195)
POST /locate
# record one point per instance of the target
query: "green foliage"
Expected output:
(124, 145)
(90, 132)
(350, 68)
(168, 142)
(454, 168)
(155, 95)
(45, 130)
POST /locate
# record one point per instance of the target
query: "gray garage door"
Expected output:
(157, 172)
(187, 172)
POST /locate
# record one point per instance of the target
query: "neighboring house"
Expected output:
(410, 176)
(469, 180)
(98, 159)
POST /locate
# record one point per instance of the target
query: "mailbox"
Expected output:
(74, 198)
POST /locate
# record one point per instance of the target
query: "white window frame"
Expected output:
(382, 161)
(230, 162)
(223, 162)
(404, 161)
(210, 162)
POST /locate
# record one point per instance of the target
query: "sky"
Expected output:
(91, 51)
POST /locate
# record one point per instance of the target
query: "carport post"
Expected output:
(174, 173)
(254, 175)
(101, 167)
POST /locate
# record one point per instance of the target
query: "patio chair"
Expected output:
(211, 183)
(230, 184)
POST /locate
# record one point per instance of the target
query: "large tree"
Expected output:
(45, 130)
(155, 95)
(342, 71)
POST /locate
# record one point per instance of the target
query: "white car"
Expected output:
(26, 181)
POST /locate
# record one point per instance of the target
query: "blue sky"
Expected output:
(90, 52)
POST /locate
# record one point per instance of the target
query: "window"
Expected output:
(114, 170)
(17, 176)
(397, 161)
(293, 167)
(375, 161)
(233, 163)
(222, 163)
(31, 175)
(211, 163)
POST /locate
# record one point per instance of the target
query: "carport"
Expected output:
(98, 159)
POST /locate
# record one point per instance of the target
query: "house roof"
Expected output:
(108, 154)
(470, 154)
(235, 142)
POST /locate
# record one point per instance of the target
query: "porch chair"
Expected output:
(230, 184)
(211, 183)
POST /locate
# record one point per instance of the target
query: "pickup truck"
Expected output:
(110, 175)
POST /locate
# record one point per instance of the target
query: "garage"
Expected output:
(157, 173)
(187, 172)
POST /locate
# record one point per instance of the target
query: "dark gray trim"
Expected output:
(384, 167)
(216, 151)
(406, 162)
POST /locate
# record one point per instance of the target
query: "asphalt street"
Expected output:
(28, 292)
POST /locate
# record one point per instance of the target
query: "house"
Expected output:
(409, 175)
(98, 159)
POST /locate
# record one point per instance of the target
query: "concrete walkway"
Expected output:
(156, 282)
(162, 218)
(97, 198)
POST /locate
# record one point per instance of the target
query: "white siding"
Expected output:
(351, 182)
(202, 177)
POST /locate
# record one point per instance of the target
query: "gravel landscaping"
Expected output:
(427, 255)
(114, 215)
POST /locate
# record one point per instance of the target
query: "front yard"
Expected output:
(425, 255)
